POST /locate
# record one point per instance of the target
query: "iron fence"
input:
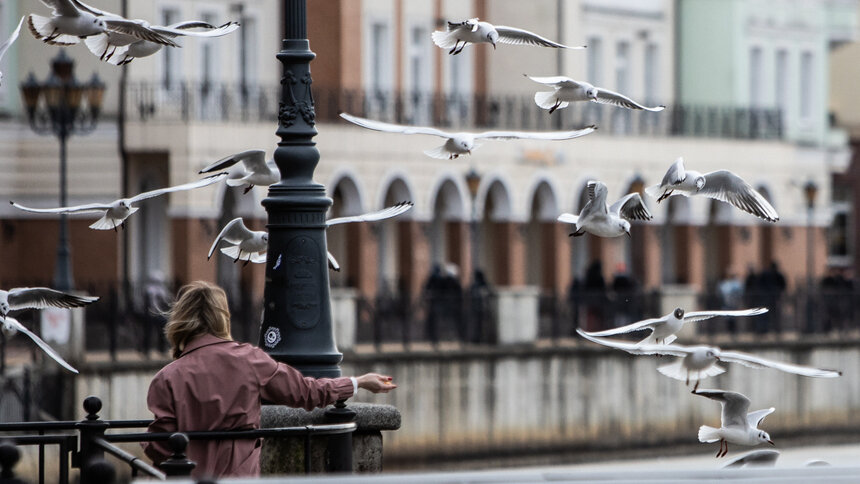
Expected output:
(208, 102)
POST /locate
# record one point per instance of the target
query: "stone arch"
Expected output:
(494, 231)
(346, 242)
(718, 243)
(675, 235)
(541, 239)
(393, 240)
(448, 214)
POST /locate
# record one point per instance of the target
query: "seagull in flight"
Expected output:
(463, 143)
(665, 329)
(247, 168)
(721, 185)
(696, 363)
(472, 31)
(248, 245)
(8, 43)
(600, 219)
(736, 425)
(11, 326)
(567, 91)
(39, 298)
(71, 21)
(115, 213)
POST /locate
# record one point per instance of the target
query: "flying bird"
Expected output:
(463, 143)
(600, 219)
(8, 43)
(664, 329)
(39, 298)
(567, 91)
(115, 213)
(11, 325)
(736, 425)
(385, 213)
(721, 185)
(72, 20)
(247, 168)
(696, 363)
(248, 245)
(473, 31)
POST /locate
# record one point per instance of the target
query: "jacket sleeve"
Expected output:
(284, 385)
(160, 403)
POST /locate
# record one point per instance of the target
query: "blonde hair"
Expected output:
(200, 308)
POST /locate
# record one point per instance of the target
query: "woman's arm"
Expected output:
(159, 399)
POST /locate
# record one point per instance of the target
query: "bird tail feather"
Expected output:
(547, 99)
(445, 40)
(653, 190)
(439, 153)
(101, 47)
(104, 223)
(674, 370)
(236, 182)
(42, 29)
(708, 434)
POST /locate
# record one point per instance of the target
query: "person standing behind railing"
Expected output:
(215, 383)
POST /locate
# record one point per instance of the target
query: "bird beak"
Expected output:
(469, 151)
(628, 235)
(771, 443)
(494, 46)
(717, 358)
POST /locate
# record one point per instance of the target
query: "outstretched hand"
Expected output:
(376, 383)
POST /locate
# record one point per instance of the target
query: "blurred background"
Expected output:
(477, 289)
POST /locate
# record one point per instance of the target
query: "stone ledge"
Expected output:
(369, 417)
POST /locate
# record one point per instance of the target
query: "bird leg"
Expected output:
(555, 106)
(720, 452)
(696, 386)
(664, 196)
(726, 450)
(454, 51)
(248, 260)
(247, 189)
(53, 36)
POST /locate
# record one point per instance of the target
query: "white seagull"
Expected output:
(664, 329)
(696, 363)
(39, 298)
(463, 143)
(721, 185)
(248, 245)
(11, 326)
(118, 49)
(247, 168)
(567, 90)
(8, 43)
(117, 211)
(736, 425)
(600, 219)
(71, 21)
(473, 31)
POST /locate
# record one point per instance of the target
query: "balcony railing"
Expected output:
(208, 102)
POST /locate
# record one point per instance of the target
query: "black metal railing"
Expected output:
(207, 102)
(82, 445)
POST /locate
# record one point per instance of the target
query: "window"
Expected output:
(807, 90)
(622, 67)
(652, 68)
(380, 58)
(755, 66)
(248, 52)
(781, 81)
(595, 54)
(171, 63)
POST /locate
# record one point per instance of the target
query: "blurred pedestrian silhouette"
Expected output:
(731, 292)
(837, 292)
(624, 285)
(772, 286)
(479, 309)
(595, 297)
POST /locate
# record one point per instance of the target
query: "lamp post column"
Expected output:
(296, 327)
(63, 272)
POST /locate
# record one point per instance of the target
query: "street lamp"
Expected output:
(62, 106)
(810, 190)
(473, 181)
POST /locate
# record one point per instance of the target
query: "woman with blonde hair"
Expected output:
(215, 383)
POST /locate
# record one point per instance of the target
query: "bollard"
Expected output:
(339, 449)
(177, 465)
(89, 428)
(99, 471)
(9, 456)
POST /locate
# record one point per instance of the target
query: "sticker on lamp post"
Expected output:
(272, 337)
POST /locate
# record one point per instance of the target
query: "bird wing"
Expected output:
(675, 174)
(383, 214)
(545, 135)
(637, 326)
(40, 343)
(754, 419)
(759, 362)
(758, 458)
(394, 128)
(471, 25)
(87, 208)
(631, 207)
(702, 315)
(203, 182)
(568, 218)
(332, 262)
(597, 192)
(65, 8)
(555, 81)
(42, 297)
(513, 35)
(93, 10)
(182, 29)
(8, 43)
(137, 29)
(605, 96)
(735, 406)
(250, 158)
(234, 232)
(725, 186)
(638, 348)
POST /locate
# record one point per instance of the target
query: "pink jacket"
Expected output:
(217, 384)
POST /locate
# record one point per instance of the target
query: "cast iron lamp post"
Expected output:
(810, 190)
(62, 106)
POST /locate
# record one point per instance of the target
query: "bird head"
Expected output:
(465, 145)
(713, 353)
(492, 38)
(700, 182)
(679, 313)
(4, 309)
(100, 23)
(265, 238)
(124, 204)
(591, 92)
(764, 437)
